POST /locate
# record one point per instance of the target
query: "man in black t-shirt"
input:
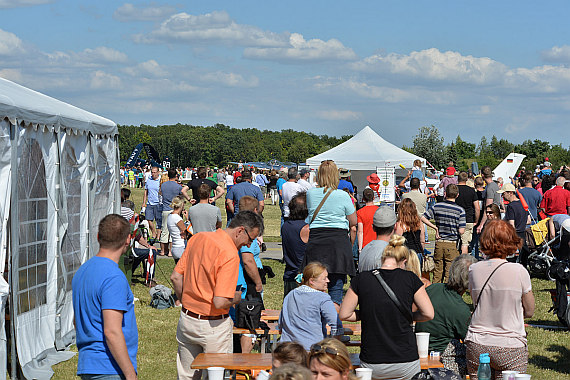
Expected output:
(517, 216)
(196, 183)
(467, 199)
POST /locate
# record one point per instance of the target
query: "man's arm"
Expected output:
(177, 282)
(230, 205)
(477, 211)
(226, 303)
(360, 233)
(261, 206)
(488, 201)
(251, 269)
(219, 191)
(145, 195)
(184, 192)
(402, 183)
(113, 331)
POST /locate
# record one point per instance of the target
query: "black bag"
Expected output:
(560, 271)
(248, 312)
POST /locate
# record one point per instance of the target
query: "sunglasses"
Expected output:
(490, 213)
(248, 236)
(317, 348)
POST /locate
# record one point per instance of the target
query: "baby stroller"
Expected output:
(541, 255)
(560, 272)
(544, 252)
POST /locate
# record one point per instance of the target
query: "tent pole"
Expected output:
(14, 243)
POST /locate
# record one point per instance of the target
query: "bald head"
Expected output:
(560, 181)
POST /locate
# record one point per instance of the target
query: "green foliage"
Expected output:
(219, 144)
(429, 144)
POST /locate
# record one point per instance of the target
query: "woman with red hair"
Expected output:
(502, 296)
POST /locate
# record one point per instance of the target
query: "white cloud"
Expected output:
(433, 64)
(15, 75)
(150, 67)
(301, 50)
(89, 57)
(215, 27)
(22, 3)
(484, 110)
(230, 79)
(10, 44)
(560, 54)
(101, 80)
(338, 115)
(129, 12)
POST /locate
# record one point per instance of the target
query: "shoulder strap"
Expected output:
(485, 284)
(321, 204)
(407, 313)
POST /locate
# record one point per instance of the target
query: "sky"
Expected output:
(328, 67)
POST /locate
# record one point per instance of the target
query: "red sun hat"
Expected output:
(450, 170)
(373, 178)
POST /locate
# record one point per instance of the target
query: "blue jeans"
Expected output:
(474, 245)
(102, 377)
(335, 285)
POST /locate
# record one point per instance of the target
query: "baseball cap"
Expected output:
(507, 187)
(344, 173)
(384, 217)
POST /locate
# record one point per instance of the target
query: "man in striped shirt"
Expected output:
(449, 226)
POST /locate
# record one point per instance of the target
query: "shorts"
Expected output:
(152, 212)
(164, 233)
(468, 234)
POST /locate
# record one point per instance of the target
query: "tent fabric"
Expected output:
(23, 105)
(59, 169)
(366, 151)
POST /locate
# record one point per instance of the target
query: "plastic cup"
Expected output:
(522, 376)
(216, 373)
(422, 340)
(364, 373)
(509, 375)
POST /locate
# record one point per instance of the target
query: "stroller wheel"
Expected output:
(538, 266)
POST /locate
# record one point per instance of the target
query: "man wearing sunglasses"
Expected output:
(205, 280)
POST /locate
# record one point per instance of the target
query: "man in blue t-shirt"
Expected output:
(531, 196)
(241, 189)
(105, 324)
(151, 202)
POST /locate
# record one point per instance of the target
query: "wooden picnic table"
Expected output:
(248, 362)
(270, 315)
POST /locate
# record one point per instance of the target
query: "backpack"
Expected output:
(560, 272)
(161, 297)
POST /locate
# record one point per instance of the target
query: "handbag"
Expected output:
(248, 313)
(454, 357)
(428, 263)
(405, 312)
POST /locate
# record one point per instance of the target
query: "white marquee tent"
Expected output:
(58, 178)
(365, 152)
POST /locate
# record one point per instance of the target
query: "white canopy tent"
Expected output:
(363, 154)
(59, 176)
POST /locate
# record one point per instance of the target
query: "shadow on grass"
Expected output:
(559, 363)
(545, 322)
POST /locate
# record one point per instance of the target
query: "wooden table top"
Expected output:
(349, 329)
(245, 362)
(270, 315)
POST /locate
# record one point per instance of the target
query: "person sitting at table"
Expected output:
(308, 309)
(291, 371)
(329, 359)
(288, 352)
(388, 340)
(452, 314)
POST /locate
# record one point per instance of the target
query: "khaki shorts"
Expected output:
(164, 234)
(468, 234)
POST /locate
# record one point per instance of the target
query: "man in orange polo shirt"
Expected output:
(205, 280)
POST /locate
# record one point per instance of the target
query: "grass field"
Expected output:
(549, 350)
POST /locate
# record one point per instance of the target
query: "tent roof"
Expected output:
(365, 151)
(22, 105)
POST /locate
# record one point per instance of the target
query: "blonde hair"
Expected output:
(312, 270)
(413, 264)
(396, 249)
(327, 176)
(177, 203)
(340, 363)
(418, 163)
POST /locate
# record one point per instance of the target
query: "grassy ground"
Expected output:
(549, 351)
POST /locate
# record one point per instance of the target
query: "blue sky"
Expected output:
(328, 67)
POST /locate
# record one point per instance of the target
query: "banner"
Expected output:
(387, 184)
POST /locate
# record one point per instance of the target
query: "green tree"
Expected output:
(429, 144)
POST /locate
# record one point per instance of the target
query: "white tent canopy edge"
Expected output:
(59, 171)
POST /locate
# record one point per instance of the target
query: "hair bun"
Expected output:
(397, 241)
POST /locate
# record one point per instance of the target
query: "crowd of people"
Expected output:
(331, 235)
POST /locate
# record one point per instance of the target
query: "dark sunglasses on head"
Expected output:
(317, 348)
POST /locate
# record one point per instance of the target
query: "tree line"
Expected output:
(220, 144)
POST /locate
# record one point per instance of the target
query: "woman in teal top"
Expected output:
(329, 242)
